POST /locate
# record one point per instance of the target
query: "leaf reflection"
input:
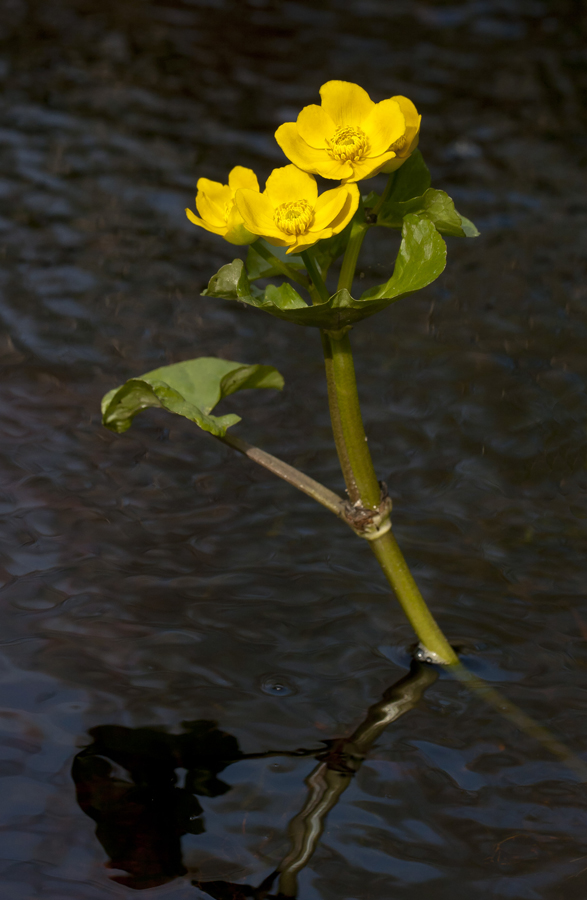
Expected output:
(126, 781)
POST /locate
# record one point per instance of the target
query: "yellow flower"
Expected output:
(406, 145)
(215, 203)
(350, 137)
(289, 213)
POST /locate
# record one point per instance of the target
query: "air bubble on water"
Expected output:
(277, 686)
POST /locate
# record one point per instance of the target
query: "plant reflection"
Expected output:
(126, 781)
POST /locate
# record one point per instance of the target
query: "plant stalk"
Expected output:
(349, 263)
(277, 263)
(341, 448)
(315, 276)
(395, 569)
(288, 473)
(351, 421)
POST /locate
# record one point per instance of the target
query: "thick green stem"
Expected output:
(396, 571)
(341, 449)
(347, 273)
(343, 371)
(278, 264)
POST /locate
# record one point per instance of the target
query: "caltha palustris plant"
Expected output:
(294, 234)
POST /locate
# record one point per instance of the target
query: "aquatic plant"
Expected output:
(295, 235)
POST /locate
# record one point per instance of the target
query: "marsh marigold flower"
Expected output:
(349, 137)
(215, 203)
(289, 213)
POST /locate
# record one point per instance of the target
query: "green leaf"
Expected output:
(421, 259)
(411, 179)
(190, 389)
(285, 296)
(434, 205)
(258, 267)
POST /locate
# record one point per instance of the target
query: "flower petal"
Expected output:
(240, 177)
(348, 210)
(384, 125)
(296, 149)
(290, 183)
(281, 242)
(212, 200)
(315, 126)
(257, 212)
(304, 241)
(335, 168)
(412, 124)
(346, 103)
(370, 167)
(236, 233)
(328, 206)
(213, 228)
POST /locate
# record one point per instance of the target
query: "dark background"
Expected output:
(155, 577)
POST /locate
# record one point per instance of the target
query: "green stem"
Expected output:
(396, 571)
(341, 448)
(351, 421)
(315, 276)
(277, 263)
(385, 195)
(349, 263)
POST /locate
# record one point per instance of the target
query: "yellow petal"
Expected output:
(236, 233)
(284, 241)
(290, 183)
(393, 164)
(409, 110)
(328, 206)
(240, 177)
(412, 124)
(212, 200)
(257, 212)
(304, 241)
(348, 210)
(315, 126)
(213, 228)
(345, 103)
(296, 149)
(384, 125)
(370, 167)
(335, 168)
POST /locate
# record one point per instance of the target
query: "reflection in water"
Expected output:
(126, 781)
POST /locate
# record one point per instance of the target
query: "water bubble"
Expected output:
(277, 686)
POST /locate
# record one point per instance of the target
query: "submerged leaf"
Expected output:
(190, 389)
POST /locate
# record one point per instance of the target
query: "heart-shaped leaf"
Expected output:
(421, 259)
(190, 389)
(434, 205)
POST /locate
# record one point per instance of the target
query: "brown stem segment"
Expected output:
(288, 473)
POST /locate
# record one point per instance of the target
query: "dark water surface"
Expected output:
(155, 578)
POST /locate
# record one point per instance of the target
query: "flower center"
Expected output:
(400, 144)
(294, 217)
(348, 143)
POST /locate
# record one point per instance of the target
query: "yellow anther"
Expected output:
(400, 144)
(348, 143)
(294, 217)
